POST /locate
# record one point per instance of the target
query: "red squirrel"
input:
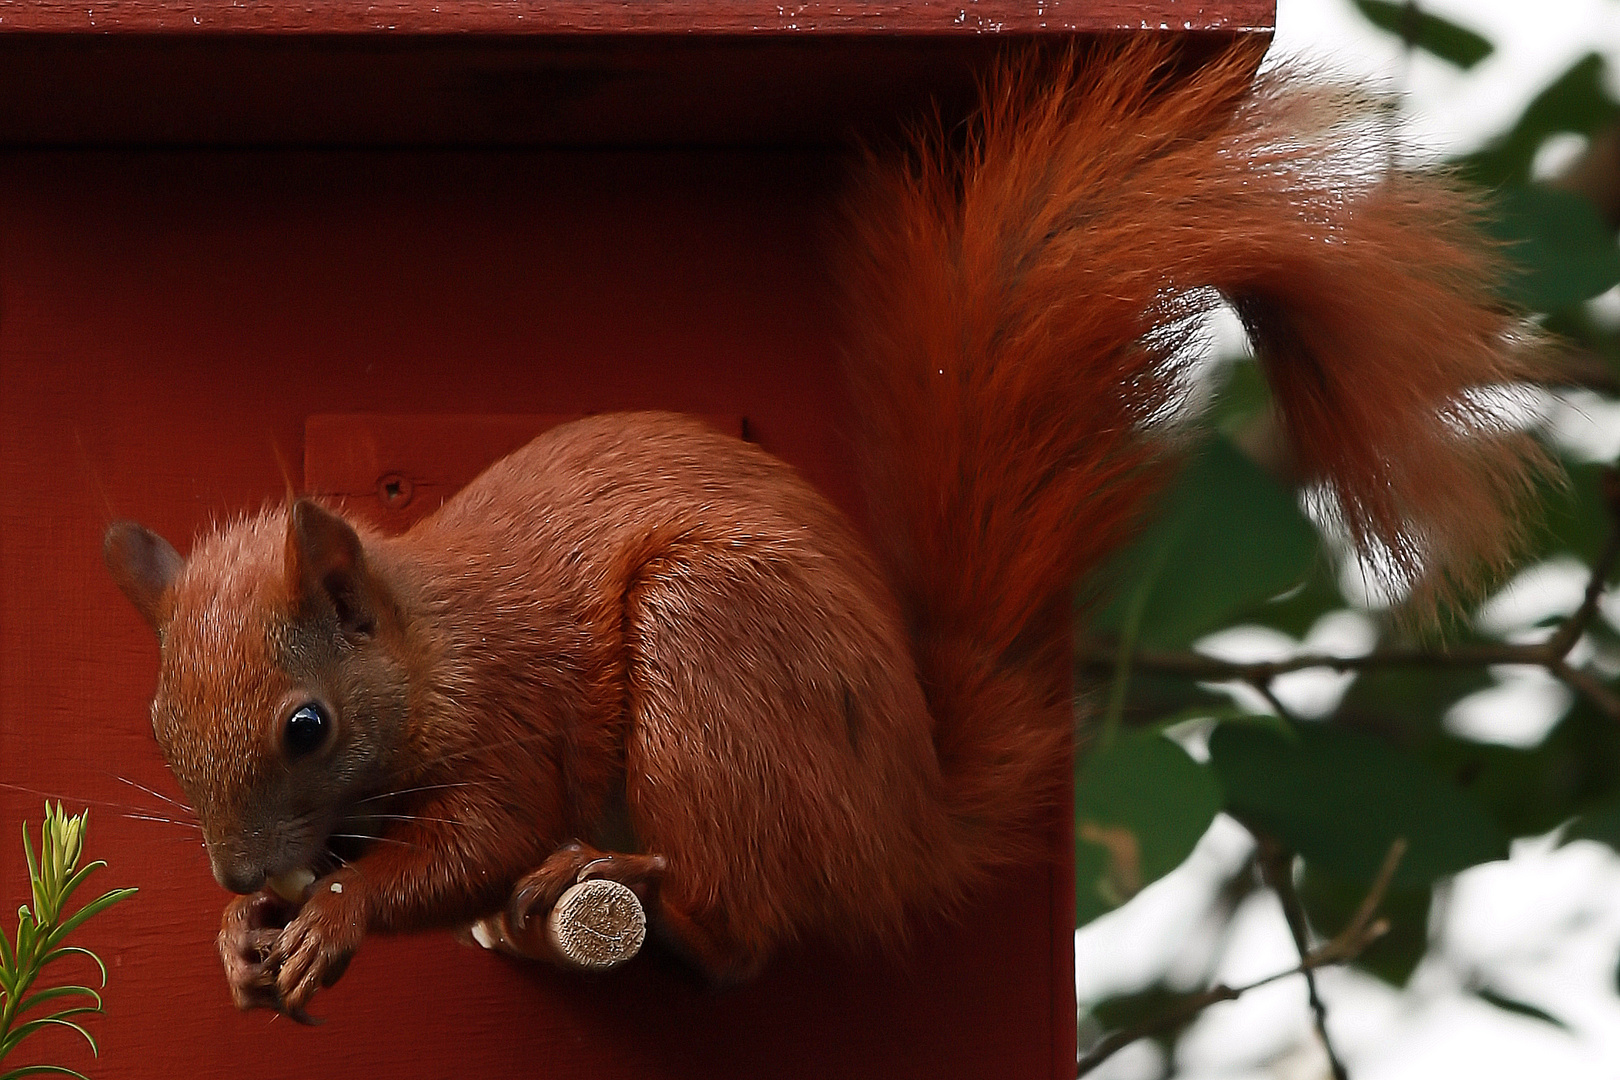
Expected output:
(640, 650)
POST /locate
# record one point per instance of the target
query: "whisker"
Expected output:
(403, 817)
(72, 799)
(413, 790)
(177, 804)
(164, 820)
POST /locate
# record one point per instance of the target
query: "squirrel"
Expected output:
(641, 650)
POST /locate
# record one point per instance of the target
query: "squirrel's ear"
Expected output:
(143, 565)
(326, 564)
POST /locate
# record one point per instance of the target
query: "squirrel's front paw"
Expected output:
(247, 936)
(315, 948)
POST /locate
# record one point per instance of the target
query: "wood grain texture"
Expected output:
(636, 17)
(171, 322)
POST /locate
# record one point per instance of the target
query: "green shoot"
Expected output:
(41, 935)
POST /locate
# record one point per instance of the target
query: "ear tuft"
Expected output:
(326, 565)
(143, 565)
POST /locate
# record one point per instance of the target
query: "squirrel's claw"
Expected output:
(314, 950)
(248, 933)
(299, 1016)
(277, 954)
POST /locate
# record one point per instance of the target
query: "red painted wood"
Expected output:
(392, 471)
(598, 90)
(658, 17)
(171, 323)
(186, 334)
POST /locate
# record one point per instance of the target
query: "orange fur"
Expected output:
(637, 632)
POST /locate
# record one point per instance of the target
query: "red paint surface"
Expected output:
(660, 17)
(393, 470)
(169, 323)
(524, 72)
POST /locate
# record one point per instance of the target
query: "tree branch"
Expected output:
(1277, 870)
(1570, 631)
(1551, 655)
(1544, 655)
(1361, 932)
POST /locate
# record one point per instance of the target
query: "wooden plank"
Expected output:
(635, 17)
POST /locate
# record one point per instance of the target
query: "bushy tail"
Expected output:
(1022, 289)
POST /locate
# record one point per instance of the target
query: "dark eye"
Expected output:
(306, 729)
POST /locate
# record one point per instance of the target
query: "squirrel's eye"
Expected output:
(306, 729)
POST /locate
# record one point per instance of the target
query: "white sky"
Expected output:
(1452, 110)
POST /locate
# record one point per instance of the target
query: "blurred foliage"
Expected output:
(1142, 804)
(1197, 568)
(1561, 250)
(1576, 103)
(1340, 798)
(1456, 44)
(1329, 902)
(1231, 547)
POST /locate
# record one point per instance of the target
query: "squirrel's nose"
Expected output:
(236, 874)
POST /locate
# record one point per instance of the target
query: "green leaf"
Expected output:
(26, 935)
(37, 999)
(94, 907)
(1562, 251)
(33, 868)
(1407, 705)
(1507, 1004)
(1295, 612)
(64, 951)
(71, 885)
(1601, 823)
(1450, 42)
(1127, 1010)
(1244, 399)
(1330, 904)
(1340, 798)
(1528, 792)
(22, 1031)
(1577, 101)
(1230, 538)
(41, 1070)
(1155, 695)
(1575, 516)
(1141, 806)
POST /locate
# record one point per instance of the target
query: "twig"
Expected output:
(1551, 655)
(1589, 686)
(1570, 631)
(1277, 870)
(1255, 672)
(1265, 690)
(1361, 932)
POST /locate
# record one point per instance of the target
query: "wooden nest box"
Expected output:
(363, 249)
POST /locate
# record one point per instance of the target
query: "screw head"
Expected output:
(395, 490)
